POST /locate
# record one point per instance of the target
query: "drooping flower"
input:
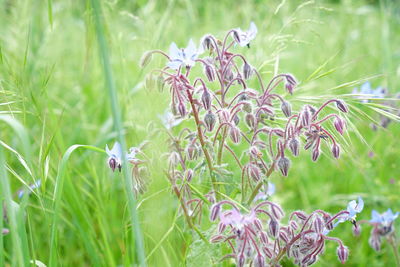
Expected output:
(32, 187)
(355, 207)
(115, 156)
(184, 57)
(243, 38)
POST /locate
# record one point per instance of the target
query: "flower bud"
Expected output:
(255, 172)
(273, 228)
(286, 108)
(209, 71)
(206, 99)
(221, 227)
(236, 119)
(259, 260)
(294, 146)
(339, 124)
(336, 150)
(217, 239)
(189, 175)
(250, 120)
(318, 225)
(294, 225)
(356, 229)
(173, 158)
(215, 209)
(284, 165)
(247, 70)
(283, 236)
(5, 231)
(305, 118)
(234, 133)
(267, 252)
(236, 36)
(241, 259)
(207, 43)
(255, 152)
(375, 242)
(182, 109)
(341, 105)
(258, 224)
(343, 253)
(145, 59)
(247, 106)
(315, 154)
(112, 163)
(290, 83)
(224, 115)
(191, 151)
(264, 237)
(209, 121)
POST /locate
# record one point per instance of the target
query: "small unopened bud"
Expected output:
(217, 239)
(173, 158)
(315, 154)
(189, 175)
(5, 231)
(215, 209)
(343, 253)
(305, 118)
(255, 172)
(339, 124)
(284, 165)
(258, 224)
(375, 242)
(112, 163)
(293, 225)
(336, 150)
(341, 105)
(234, 133)
(209, 71)
(290, 83)
(286, 108)
(283, 236)
(182, 109)
(241, 259)
(267, 252)
(294, 145)
(206, 99)
(192, 151)
(207, 43)
(356, 229)
(255, 152)
(264, 237)
(209, 121)
(236, 36)
(145, 59)
(221, 227)
(259, 260)
(236, 119)
(247, 70)
(273, 228)
(318, 225)
(250, 120)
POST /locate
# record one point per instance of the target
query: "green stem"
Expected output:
(103, 49)
(260, 183)
(392, 242)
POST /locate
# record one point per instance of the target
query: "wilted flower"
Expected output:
(185, 57)
(245, 37)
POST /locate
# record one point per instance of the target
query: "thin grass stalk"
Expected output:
(116, 113)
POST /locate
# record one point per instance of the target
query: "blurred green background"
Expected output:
(52, 81)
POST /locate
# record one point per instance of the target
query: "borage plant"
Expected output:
(258, 129)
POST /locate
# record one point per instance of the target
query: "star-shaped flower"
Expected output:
(385, 218)
(184, 57)
(245, 37)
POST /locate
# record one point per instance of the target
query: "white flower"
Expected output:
(185, 57)
(115, 156)
(168, 120)
(245, 37)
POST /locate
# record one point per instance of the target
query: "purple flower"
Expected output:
(385, 218)
(5, 231)
(184, 57)
(115, 156)
(245, 37)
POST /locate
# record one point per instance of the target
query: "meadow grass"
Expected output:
(57, 92)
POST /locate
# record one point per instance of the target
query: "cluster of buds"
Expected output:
(259, 238)
(224, 112)
(382, 228)
(139, 169)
